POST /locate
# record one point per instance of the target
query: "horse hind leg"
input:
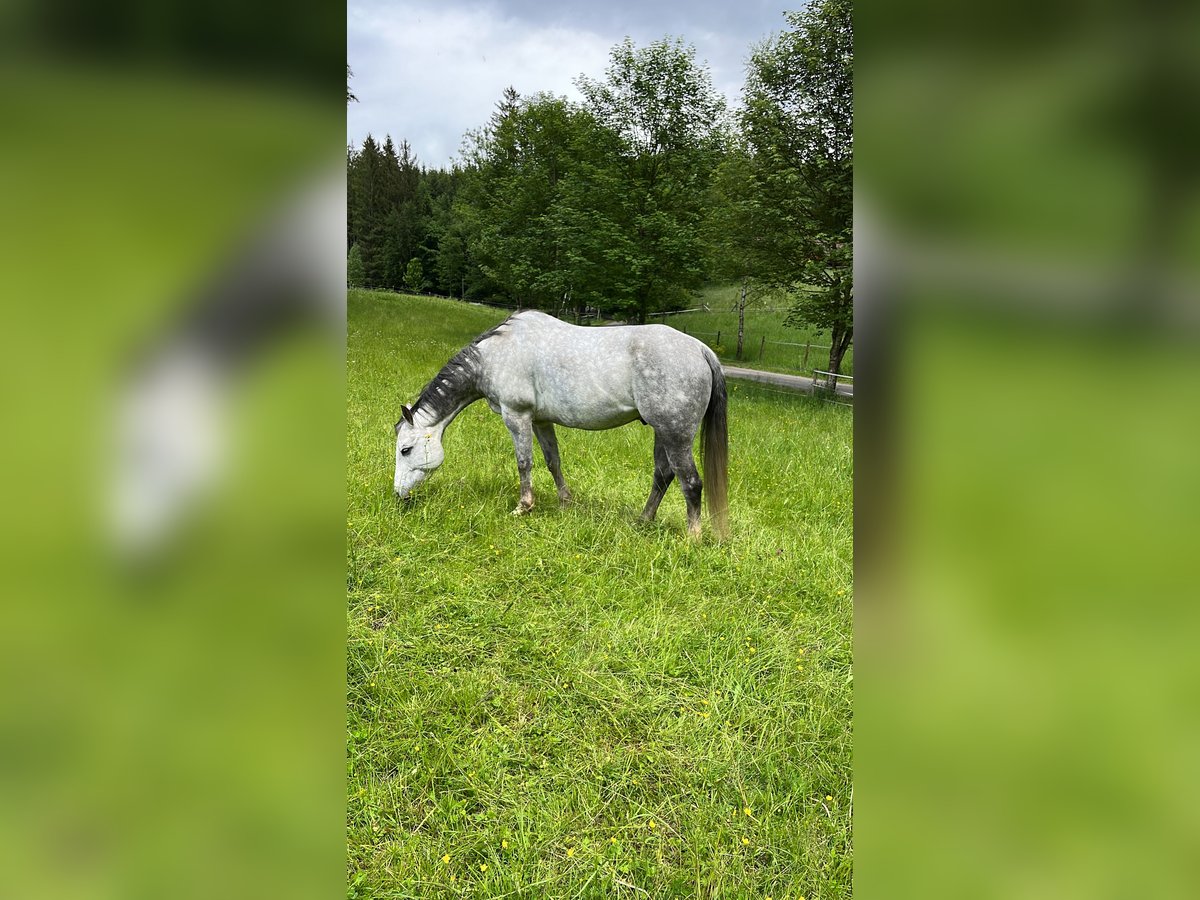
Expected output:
(548, 440)
(663, 476)
(684, 465)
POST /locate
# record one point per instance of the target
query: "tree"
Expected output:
(414, 276)
(663, 109)
(533, 192)
(368, 205)
(355, 274)
(798, 121)
(732, 231)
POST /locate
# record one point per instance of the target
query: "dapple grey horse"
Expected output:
(537, 372)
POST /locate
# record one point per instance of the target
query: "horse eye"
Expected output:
(406, 451)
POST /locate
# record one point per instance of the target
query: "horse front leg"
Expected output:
(521, 429)
(548, 440)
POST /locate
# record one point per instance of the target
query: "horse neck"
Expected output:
(429, 419)
(450, 392)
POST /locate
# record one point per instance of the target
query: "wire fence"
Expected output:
(794, 356)
(707, 308)
(759, 387)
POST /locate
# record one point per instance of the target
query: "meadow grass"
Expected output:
(764, 319)
(572, 704)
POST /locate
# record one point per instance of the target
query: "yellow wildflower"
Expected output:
(745, 840)
(570, 852)
(483, 867)
(504, 845)
(747, 810)
(446, 858)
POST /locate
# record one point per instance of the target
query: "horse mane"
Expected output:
(441, 396)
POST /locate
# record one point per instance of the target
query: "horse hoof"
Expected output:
(522, 510)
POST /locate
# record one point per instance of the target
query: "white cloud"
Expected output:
(428, 70)
(427, 73)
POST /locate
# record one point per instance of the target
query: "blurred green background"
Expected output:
(1026, 236)
(174, 730)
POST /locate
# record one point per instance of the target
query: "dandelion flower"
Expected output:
(570, 852)
(747, 810)
(651, 824)
(745, 840)
(483, 867)
(446, 857)
(612, 840)
(504, 845)
(829, 798)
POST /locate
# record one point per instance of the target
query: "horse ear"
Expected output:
(407, 413)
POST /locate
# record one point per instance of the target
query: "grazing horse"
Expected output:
(537, 372)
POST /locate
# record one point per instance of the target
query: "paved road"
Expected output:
(792, 382)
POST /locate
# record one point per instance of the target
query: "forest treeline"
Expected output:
(631, 199)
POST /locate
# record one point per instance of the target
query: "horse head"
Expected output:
(418, 452)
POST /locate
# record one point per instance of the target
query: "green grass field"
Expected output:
(717, 327)
(571, 704)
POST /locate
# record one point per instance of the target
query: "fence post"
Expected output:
(762, 347)
(718, 337)
(804, 364)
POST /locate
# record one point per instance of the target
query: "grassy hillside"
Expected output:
(572, 704)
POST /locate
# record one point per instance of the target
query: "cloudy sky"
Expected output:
(429, 70)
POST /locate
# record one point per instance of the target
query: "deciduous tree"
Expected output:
(661, 105)
(798, 121)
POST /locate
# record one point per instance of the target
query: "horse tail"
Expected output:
(714, 447)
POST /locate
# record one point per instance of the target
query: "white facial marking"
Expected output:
(418, 452)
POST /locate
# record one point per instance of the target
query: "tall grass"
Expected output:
(571, 704)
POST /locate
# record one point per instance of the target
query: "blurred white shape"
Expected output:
(171, 439)
(171, 442)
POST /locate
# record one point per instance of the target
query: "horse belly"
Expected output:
(590, 416)
(584, 400)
